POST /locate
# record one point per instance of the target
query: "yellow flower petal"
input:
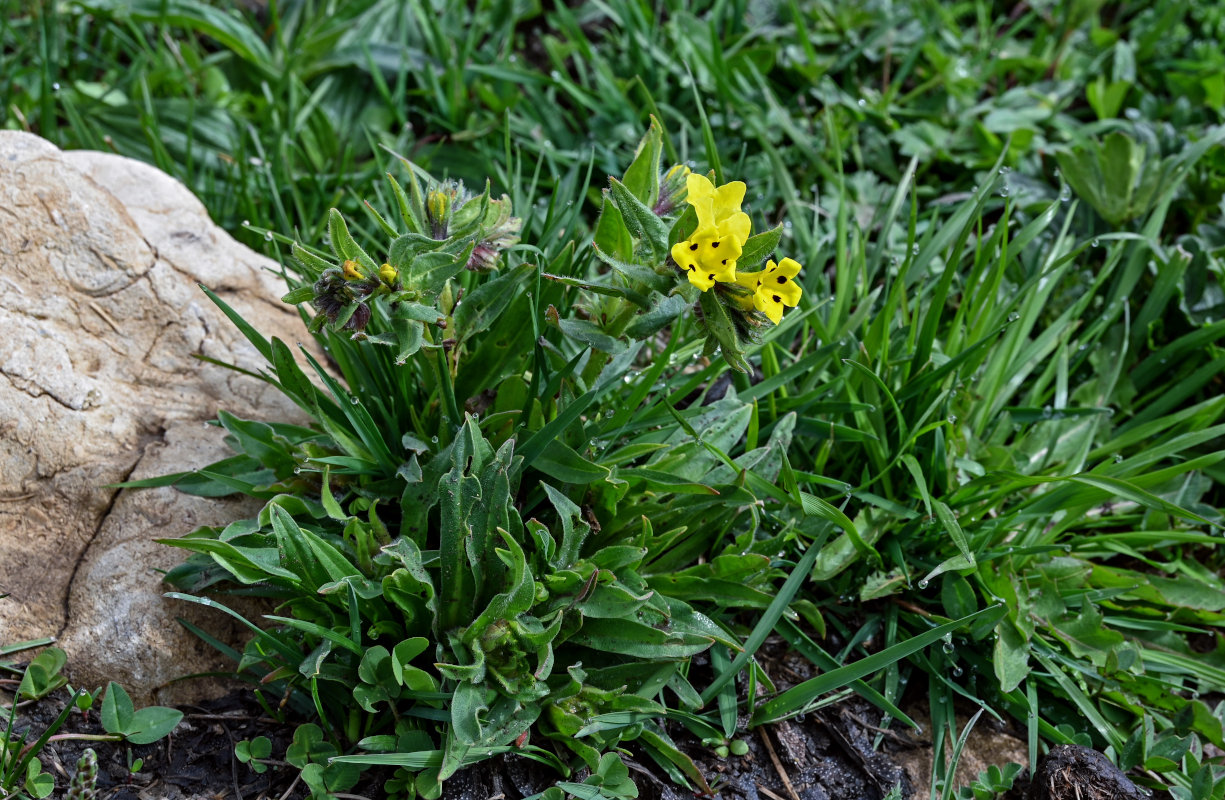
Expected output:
(728, 198)
(707, 257)
(771, 309)
(685, 258)
(788, 267)
(773, 288)
(699, 187)
(737, 226)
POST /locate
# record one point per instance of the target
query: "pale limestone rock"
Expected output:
(99, 260)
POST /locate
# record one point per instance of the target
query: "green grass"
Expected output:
(1005, 371)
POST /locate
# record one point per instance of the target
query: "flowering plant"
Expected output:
(474, 547)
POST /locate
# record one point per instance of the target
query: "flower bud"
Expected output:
(437, 206)
(388, 274)
(672, 190)
(352, 271)
(500, 231)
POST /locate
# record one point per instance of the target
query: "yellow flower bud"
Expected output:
(437, 203)
(388, 274)
(351, 271)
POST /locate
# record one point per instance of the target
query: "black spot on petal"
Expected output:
(712, 276)
(693, 246)
(781, 279)
(714, 244)
(778, 299)
(759, 283)
(725, 261)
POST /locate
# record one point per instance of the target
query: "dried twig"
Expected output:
(778, 765)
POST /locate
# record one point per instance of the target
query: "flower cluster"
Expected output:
(710, 253)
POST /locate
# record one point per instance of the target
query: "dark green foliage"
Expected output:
(1002, 386)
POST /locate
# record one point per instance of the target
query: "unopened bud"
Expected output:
(388, 274)
(351, 271)
(672, 190)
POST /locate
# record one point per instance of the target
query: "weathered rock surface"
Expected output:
(99, 260)
(990, 743)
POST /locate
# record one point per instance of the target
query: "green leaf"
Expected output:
(642, 176)
(590, 334)
(230, 31)
(152, 723)
(344, 245)
(642, 223)
(117, 709)
(38, 783)
(1011, 656)
(303, 294)
(42, 675)
(720, 328)
(662, 313)
(801, 695)
(758, 248)
(631, 638)
(611, 235)
(488, 301)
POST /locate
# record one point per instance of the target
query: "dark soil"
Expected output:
(827, 756)
(195, 762)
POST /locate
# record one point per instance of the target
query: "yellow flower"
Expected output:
(710, 253)
(719, 208)
(773, 288)
(708, 257)
(351, 271)
(388, 273)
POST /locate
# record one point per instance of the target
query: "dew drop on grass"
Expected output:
(863, 103)
(297, 470)
(55, 87)
(957, 671)
(952, 419)
(914, 251)
(1096, 243)
(1118, 458)
(433, 440)
(923, 583)
(246, 223)
(1014, 316)
(1065, 194)
(353, 400)
(267, 236)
